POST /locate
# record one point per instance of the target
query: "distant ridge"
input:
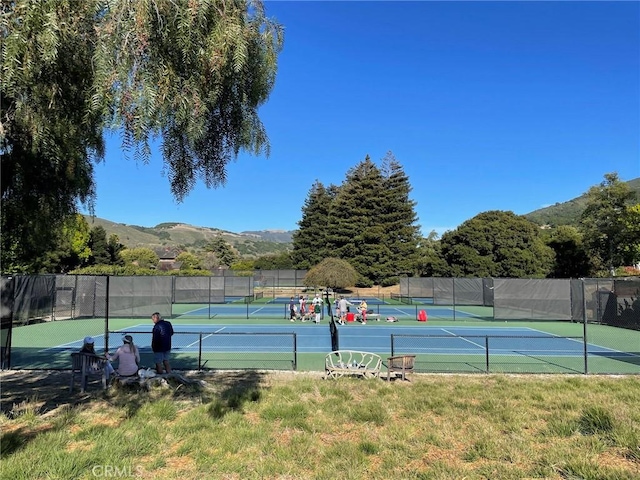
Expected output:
(255, 243)
(568, 213)
(185, 236)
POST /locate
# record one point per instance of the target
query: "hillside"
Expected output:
(248, 244)
(265, 242)
(568, 213)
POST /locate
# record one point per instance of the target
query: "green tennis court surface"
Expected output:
(441, 346)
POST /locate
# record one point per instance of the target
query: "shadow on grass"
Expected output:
(44, 391)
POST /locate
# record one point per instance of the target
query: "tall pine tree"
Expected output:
(355, 230)
(401, 232)
(309, 242)
(368, 220)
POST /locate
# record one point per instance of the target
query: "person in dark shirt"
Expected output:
(161, 342)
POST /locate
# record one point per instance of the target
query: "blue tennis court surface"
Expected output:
(312, 338)
(281, 310)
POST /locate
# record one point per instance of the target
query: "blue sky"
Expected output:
(487, 106)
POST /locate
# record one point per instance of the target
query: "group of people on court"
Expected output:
(128, 354)
(302, 313)
(342, 309)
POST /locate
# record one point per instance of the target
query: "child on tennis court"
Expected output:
(317, 309)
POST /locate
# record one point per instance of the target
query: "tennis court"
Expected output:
(302, 346)
(279, 308)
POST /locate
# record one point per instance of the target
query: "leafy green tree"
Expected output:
(631, 248)
(309, 241)
(281, 261)
(243, 265)
(143, 258)
(603, 224)
(191, 72)
(430, 262)
(188, 261)
(496, 244)
(331, 273)
(571, 259)
(49, 134)
(72, 248)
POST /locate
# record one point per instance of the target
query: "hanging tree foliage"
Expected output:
(191, 72)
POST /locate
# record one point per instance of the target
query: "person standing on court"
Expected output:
(343, 304)
(303, 304)
(317, 310)
(363, 311)
(292, 310)
(161, 342)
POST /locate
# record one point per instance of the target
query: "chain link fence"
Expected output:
(44, 317)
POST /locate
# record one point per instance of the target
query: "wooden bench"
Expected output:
(400, 364)
(85, 364)
(352, 363)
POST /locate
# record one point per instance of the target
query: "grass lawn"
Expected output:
(287, 425)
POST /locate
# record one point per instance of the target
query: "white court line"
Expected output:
(458, 336)
(205, 337)
(602, 349)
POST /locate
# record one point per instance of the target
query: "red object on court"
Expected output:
(351, 317)
(422, 316)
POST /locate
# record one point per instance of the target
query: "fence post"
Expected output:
(106, 317)
(200, 352)
(486, 351)
(453, 291)
(584, 329)
(295, 352)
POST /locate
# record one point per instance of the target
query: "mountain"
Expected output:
(252, 244)
(189, 237)
(568, 213)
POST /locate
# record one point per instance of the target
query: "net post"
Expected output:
(200, 352)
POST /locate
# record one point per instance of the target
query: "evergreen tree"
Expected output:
(355, 231)
(223, 251)
(99, 247)
(114, 247)
(310, 240)
(401, 234)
